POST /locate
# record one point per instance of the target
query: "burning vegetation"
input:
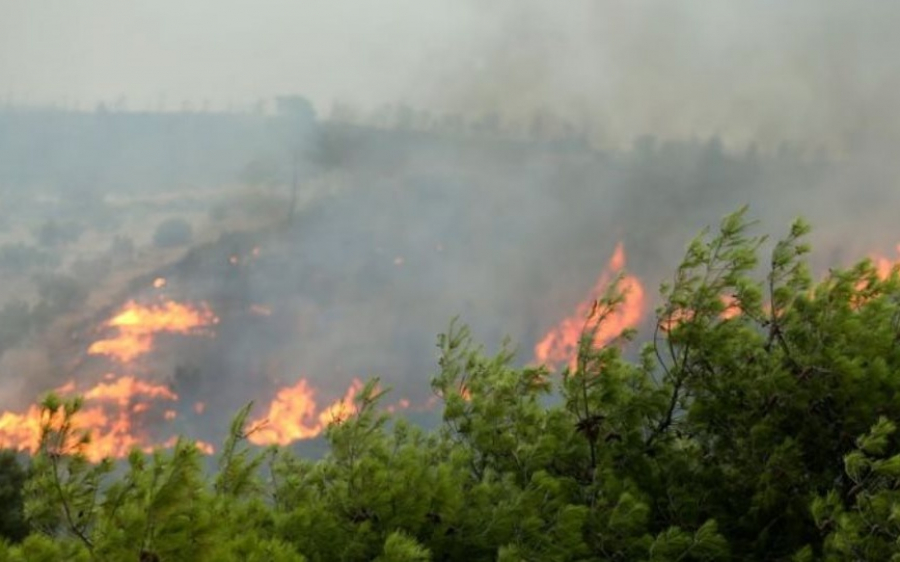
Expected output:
(735, 392)
(560, 345)
(136, 325)
(126, 409)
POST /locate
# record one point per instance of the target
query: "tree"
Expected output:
(12, 479)
(731, 435)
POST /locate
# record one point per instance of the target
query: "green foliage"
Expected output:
(401, 548)
(12, 516)
(733, 437)
(863, 523)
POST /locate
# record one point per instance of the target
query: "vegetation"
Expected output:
(767, 434)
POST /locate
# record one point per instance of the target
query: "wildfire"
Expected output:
(560, 345)
(113, 412)
(884, 265)
(137, 324)
(732, 307)
(294, 416)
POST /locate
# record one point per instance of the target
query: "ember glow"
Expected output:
(137, 324)
(560, 345)
(294, 415)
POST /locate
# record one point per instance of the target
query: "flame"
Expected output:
(125, 389)
(560, 344)
(884, 266)
(732, 307)
(137, 325)
(21, 431)
(159, 282)
(293, 415)
(67, 388)
(112, 413)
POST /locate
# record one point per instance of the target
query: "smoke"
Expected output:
(810, 72)
(465, 159)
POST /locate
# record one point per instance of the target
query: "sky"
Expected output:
(808, 71)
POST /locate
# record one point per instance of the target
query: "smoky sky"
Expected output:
(689, 109)
(809, 71)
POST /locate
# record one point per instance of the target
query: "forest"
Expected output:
(755, 421)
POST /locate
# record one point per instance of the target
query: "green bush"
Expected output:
(766, 435)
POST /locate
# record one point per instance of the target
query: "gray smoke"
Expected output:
(456, 159)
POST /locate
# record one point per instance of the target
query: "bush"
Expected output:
(764, 433)
(172, 233)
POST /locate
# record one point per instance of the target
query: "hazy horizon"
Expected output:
(810, 72)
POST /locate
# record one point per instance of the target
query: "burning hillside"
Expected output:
(560, 345)
(137, 324)
(124, 411)
(412, 231)
(134, 398)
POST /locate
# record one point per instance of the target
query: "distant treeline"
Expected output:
(89, 153)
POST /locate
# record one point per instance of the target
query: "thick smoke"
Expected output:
(489, 174)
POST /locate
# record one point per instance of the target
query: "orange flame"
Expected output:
(560, 345)
(21, 431)
(111, 412)
(293, 415)
(884, 265)
(137, 324)
(732, 307)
